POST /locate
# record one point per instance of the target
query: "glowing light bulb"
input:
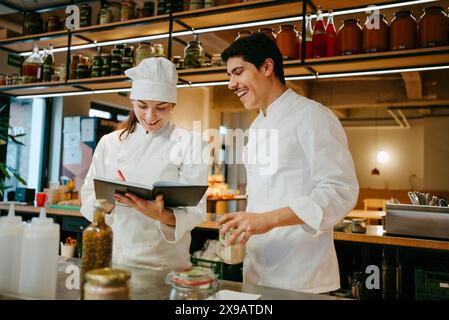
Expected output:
(383, 156)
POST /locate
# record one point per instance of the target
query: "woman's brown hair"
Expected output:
(128, 126)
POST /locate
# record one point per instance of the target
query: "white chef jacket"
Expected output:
(314, 175)
(145, 158)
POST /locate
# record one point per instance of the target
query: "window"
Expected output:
(108, 112)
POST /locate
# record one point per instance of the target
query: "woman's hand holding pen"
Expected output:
(153, 209)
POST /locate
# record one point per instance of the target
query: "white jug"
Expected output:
(39, 265)
(11, 233)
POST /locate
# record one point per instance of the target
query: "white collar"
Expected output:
(276, 109)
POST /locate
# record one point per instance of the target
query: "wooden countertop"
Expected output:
(374, 234)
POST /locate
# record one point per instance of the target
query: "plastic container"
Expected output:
(11, 234)
(193, 283)
(39, 259)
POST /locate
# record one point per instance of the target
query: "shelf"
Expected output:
(342, 64)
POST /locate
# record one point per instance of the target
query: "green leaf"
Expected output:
(19, 178)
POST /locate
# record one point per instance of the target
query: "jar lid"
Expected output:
(403, 13)
(434, 8)
(194, 276)
(108, 276)
(351, 21)
(105, 55)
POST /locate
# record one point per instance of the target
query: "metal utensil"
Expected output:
(411, 196)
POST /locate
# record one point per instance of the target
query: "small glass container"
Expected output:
(82, 71)
(127, 63)
(85, 15)
(159, 50)
(216, 60)
(96, 71)
(116, 10)
(193, 55)
(193, 283)
(105, 16)
(2, 80)
(128, 51)
(127, 12)
(175, 61)
(116, 64)
(8, 80)
(358, 225)
(105, 70)
(234, 253)
(116, 71)
(147, 9)
(107, 284)
(116, 53)
(105, 59)
(15, 79)
(53, 24)
(143, 51)
(96, 60)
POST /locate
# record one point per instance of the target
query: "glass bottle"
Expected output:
(107, 284)
(319, 36)
(49, 65)
(193, 283)
(309, 37)
(159, 50)
(97, 243)
(193, 54)
(32, 67)
(331, 36)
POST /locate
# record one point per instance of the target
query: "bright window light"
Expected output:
(121, 117)
(383, 156)
(99, 114)
(223, 130)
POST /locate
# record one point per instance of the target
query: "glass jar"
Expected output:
(116, 53)
(116, 71)
(233, 253)
(2, 80)
(403, 31)
(127, 12)
(116, 64)
(193, 55)
(143, 51)
(53, 24)
(105, 59)
(175, 60)
(288, 42)
(107, 284)
(32, 23)
(193, 283)
(127, 63)
(161, 6)
(159, 50)
(242, 34)
(209, 3)
(73, 64)
(433, 27)
(376, 38)
(268, 32)
(105, 16)
(195, 4)
(116, 10)
(96, 71)
(216, 60)
(128, 51)
(105, 70)
(147, 10)
(85, 15)
(32, 67)
(97, 242)
(96, 60)
(82, 71)
(349, 37)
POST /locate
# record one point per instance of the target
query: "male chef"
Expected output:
(291, 211)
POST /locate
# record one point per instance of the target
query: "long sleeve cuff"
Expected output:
(309, 212)
(173, 234)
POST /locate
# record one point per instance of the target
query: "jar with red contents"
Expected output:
(433, 27)
(403, 31)
(349, 37)
(192, 283)
(288, 42)
(269, 33)
(376, 37)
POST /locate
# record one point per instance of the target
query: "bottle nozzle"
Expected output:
(12, 210)
(42, 213)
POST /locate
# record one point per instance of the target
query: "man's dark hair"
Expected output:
(255, 49)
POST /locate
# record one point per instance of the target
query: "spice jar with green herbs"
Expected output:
(97, 243)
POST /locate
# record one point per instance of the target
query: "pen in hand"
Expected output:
(120, 175)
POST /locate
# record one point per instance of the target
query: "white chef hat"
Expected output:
(153, 79)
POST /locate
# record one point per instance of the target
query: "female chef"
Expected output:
(147, 234)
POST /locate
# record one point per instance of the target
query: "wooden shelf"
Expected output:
(342, 64)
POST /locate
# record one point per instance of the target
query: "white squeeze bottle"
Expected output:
(39, 265)
(11, 233)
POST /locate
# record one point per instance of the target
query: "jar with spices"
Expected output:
(73, 64)
(231, 253)
(209, 3)
(107, 284)
(105, 16)
(53, 24)
(376, 37)
(175, 61)
(96, 71)
(2, 80)
(193, 55)
(433, 27)
(288, 42)
(127, 12)
(116, 71)
(85, 15)
(116, 54)
(116, 10)
(127, 63)
(128, 51)
(159, 50)
(96, 60)
(105, 59)
(105, 70)
(97, 243)
(116, 64)
(349, 37)
(32, 23)
(269, 32)
(8, 80)
(161, 6)
(216, 60)
(143, 51)
(15, 79)
(242, 34)
(403, 31)
(192, 283)
(195, 4)
(82, 71)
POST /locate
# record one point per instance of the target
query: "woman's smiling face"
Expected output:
(152, 115)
